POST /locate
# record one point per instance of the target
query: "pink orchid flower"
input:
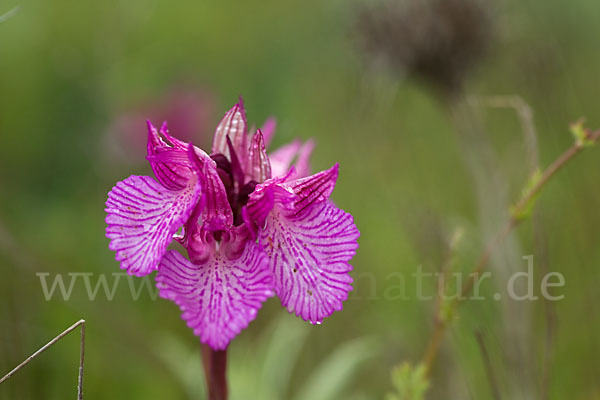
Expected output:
(252, 226)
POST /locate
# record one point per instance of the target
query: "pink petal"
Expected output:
(236, 165)
(233, 125)
(263, 199)
(309, 242)
(314, 188)
(309, 252)
(216, 214)
(303, 162)
(268, 130)
(281, 159)
(220, 297)
(293, 195)
(258, 167)
(168, 160)
(142, 217)
(164, 130)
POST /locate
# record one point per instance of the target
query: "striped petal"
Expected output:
(268, 130)
(312, 189)
(220, 297)
(293, 195)
(233, 125)
(281, 159)
(180, 144)
(309, 254)
(296, 153)
(216, 214)
(303, 162)
(142, 217)
(262, 200)
(258, 166)
(309, 242)
(168, 160)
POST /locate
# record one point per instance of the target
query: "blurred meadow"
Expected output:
(78, 80)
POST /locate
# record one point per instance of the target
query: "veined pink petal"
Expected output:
(220, 297)
(309, 253)
(309, 242)
(164, 130)
(233, 125)
(295, 152)
(312, 189)
(268, 130)
(237, 169)
(263, 199)
(154, 139)
(293, 196)
(303, 162)
(258, 167)
(170, 155)
(281, 159)
(216, 214)
(142, 217)
(163, 158)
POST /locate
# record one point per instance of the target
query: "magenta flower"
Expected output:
(251, 224)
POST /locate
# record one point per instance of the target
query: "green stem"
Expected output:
(440, 324)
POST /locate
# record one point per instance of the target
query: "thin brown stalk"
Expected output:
(444, 272)
(513, 221)
(525, 115)
(215, 371)
(493, 199)
(81, 361)
(50, 344)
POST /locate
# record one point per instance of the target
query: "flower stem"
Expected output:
(215, 371)
(513, 221)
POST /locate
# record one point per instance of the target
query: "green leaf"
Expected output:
(331, 377)
(281, 351)
(524, 211)
(184, 363)
(263, 370)
(409, 382)
(581, 134)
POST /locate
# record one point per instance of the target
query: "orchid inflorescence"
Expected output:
(252, 225)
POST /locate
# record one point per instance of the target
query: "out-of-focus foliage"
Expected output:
(409, 382)
(264, 372)
(525, 212)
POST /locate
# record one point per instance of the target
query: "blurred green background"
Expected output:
(77, 80)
